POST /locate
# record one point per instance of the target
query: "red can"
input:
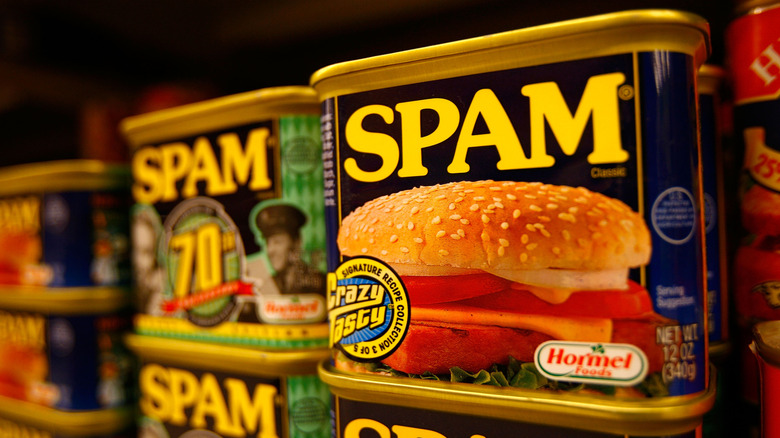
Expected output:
(754, 63)
(766, 347)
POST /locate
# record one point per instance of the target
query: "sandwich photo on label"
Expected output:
(495, 268)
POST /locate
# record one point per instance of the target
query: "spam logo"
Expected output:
(20, 329)
(486, 123)
(209, 167)
(181, 398)
(20, 215)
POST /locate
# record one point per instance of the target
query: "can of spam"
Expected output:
(63, 351)
(230, 391)
(64, 224)
(227, 223)
(433, 409)
(712, 83)
(528, 199)
(766, 347)
(752, 45)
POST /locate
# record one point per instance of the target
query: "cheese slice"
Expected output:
(585, 329)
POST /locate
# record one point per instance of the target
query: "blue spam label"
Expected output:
(466, 217)
(71, 363)
(65, 239)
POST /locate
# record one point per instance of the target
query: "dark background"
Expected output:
(70, 70)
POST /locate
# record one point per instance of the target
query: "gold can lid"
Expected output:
(744, 7)
(641, 417)
(767, 341)
(64, 301)
(63, 176)
(67, 423)
(220, 113)
(712, 79)
(600, 35)
(226, 358)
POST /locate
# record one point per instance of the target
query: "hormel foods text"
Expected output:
(615, 364)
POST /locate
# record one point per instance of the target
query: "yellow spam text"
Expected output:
(28, 330)
(180, 398)
(355, 428)
(221, 167)
(547, 108)
(20, 215)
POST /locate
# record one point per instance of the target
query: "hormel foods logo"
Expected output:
(611, 364)
(296, 308)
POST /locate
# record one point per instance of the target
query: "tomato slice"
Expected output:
(445, 289)
(618, 304)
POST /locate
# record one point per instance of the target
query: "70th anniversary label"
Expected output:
(368, 308)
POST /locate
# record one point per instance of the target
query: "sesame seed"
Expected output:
(544, 218)
(503, 242)
(497, 199)
(523, 257)
(455, 217)
(539, 226)
(530, 227)
(516, 214)
(491, 207)
(524, 239)
(404, 249)
(573, 210)
(436, 220)
(552, 206)
(371, 240)
(415, 209)
(441, 233)
(479, 198)
(495, 189)
(501, 251)
(429, 209)
(535, 207)
(364, 250)
(545, 233)
(465, 221)
(485, 218)
(556, 250)
(399, 208)
(511, 197)
(474, 207)
(530, 196)
(461, 233)
(384, 252)
(452, 206)
(386, 210)
(566, 235)
(603, 223)
(440, 197)
(568, 217)
(596, 236)
(410, 226)
(399, 226)
(485, 237)
(455, 236)
(444, 252)
(505, 225)
(458, 199)
(418, 240)
(531, 246)
(581, 200)
(393, 238)
(499, 205)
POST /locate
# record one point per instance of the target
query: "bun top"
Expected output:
(492, 225)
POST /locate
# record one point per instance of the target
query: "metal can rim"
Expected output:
(64, 301)
(70, 423)
(218, 113)
(766, 335)
(625, 23)
(653, 417)
(226, 358)
(63, 176)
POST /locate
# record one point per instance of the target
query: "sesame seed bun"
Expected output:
(498, 225)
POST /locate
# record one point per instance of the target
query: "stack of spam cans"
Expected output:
(228, 249)
(516, 233)
(753, 53)
(64, 276)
